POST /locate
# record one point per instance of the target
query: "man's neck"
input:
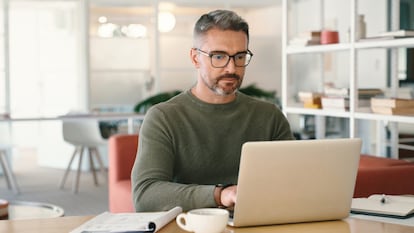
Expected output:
(208, 96)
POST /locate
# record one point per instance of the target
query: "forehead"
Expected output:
(224, 40)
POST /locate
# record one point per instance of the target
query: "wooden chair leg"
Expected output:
(3, 164)
(65, 175)
(92, 166)
(75, 185)
(101, 164)
(10, 179)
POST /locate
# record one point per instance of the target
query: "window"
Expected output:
(3, 83)
(44, 69)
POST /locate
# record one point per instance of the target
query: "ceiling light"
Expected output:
(166, 21)
(102, 19)
(107, 30)
(136, 31)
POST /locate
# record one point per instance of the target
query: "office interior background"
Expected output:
(61, 56)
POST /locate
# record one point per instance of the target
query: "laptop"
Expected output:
(295, 181)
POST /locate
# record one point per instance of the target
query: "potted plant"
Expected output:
(250, 90)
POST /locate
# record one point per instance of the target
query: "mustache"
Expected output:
(235, 76)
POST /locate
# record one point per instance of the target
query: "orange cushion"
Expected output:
(371, 161)
(121, 192)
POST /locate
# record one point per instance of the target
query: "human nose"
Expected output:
(231, 65)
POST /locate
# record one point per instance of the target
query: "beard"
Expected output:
(226, 88)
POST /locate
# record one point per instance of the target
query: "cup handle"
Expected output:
(182, 222)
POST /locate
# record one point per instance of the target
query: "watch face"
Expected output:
(223, 186)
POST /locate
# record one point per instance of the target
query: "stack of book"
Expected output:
(336, 103)
(392, 106)
(363, 93)
(310, 99)
(306, 38)
(389, 35)
(338, 98)
(368, 93)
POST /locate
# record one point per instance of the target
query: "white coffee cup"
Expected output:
(206, 220)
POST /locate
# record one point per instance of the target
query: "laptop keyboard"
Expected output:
(231, 213)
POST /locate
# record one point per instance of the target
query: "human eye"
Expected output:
(240, 56)
(218, 56)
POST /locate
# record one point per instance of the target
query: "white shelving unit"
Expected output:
(351, 49)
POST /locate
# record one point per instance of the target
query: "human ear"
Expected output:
(194, 58)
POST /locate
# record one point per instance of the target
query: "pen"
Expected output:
(140, 231)
(383, 199)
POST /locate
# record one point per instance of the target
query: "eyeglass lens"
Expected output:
(222, 59)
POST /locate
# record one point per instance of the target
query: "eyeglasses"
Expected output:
(222, 59)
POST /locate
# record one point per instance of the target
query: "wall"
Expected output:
(265, 43)
(119, 68)
(177, 71)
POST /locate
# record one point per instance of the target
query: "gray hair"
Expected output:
(220, 19)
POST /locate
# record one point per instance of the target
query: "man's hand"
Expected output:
(228, 196)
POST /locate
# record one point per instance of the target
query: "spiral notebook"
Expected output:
(396, 206)
(147, 222)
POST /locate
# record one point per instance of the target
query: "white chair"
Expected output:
(83, 134)
(5, 146)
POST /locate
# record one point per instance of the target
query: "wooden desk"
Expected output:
(66, 224)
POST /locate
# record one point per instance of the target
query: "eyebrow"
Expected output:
(220, 51)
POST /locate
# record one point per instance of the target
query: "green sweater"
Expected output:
(186, 146)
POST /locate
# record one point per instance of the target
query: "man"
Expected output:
(189, 147)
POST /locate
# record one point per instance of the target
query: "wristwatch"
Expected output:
(222, 187)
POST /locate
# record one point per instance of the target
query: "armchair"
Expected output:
(377, 175)
(122, 153)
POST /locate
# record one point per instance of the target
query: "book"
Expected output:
(390, 35)
(341, 103)
(310, 35)
(306, 95)
(310, 99)
(306, 38)
(377, 38)
(366, 93)
(128, 222)
(384, 205)
(362, 92)
(303, 42)
(339, 92)
(312, 103)
(398, 33)
(392, 102)
(335, 102)
(392, 111)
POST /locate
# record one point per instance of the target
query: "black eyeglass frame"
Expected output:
(211, 54)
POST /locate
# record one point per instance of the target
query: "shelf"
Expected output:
(361, 113)
(385, 43)
(319, 112)
(366, 44)
(345, 71)
(383, 117)
(318, 48)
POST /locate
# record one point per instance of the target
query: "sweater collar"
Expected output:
(206, 105)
